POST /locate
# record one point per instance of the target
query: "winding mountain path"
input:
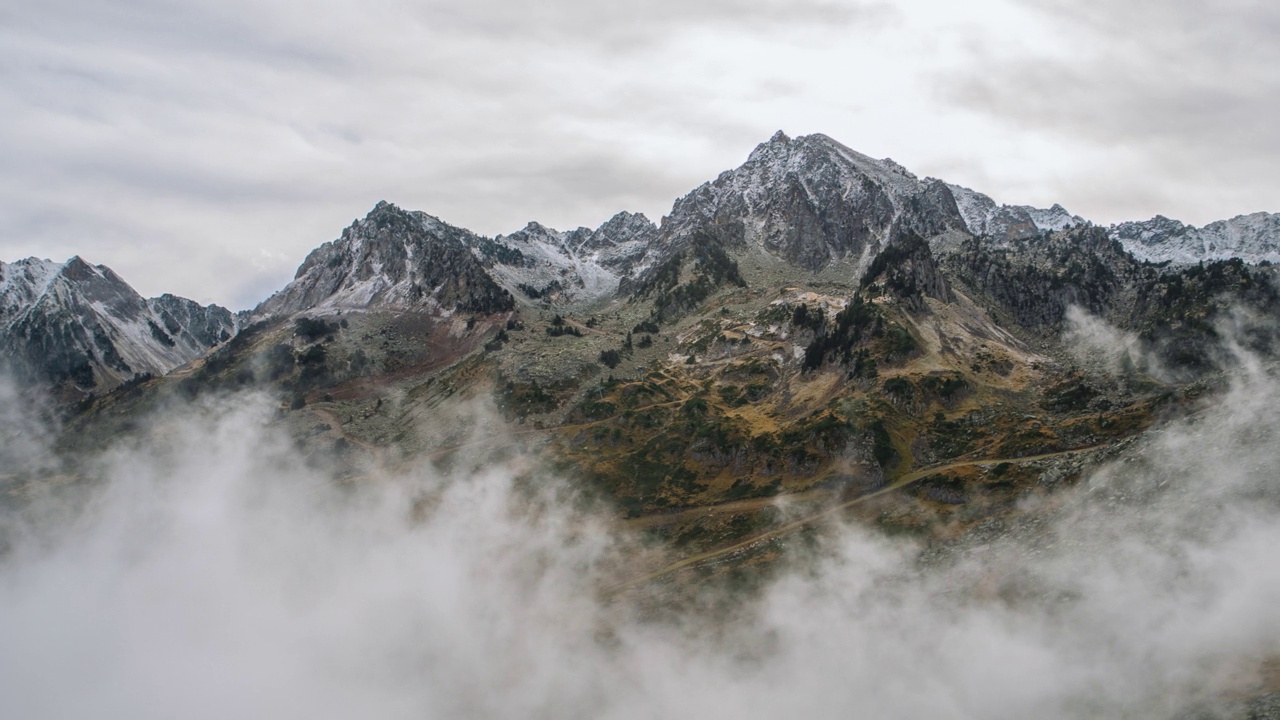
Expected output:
(901, 482)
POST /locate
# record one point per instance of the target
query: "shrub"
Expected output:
(311, 329)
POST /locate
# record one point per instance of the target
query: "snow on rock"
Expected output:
(1004, 223)
(392, 258)
(1253, 238)
(576, 266)
(812, 201)
(82, 324)
(22, 283)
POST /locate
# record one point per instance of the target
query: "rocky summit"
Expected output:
(77, 328)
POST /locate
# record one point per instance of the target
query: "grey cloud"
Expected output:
(147, 130)
(1188, 89)
(622, 24)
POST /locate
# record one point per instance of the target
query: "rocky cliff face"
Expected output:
(392, 258)
(1176, 310)
(1035, 282)
(204, 325)
(80, 327)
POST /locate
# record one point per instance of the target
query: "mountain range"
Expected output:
(814, 334)
(809, 202)
(814, 318)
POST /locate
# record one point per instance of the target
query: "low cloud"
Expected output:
(27, 430)
(213, 570)
(1102, 347)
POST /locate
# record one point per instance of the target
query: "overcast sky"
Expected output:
(204, 147)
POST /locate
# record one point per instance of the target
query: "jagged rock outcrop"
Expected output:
(910, 273)
(207, 325)
(392, 258)
(1035, 282)
(1175, 310)
(79, 327)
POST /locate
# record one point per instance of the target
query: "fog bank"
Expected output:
(212, 573)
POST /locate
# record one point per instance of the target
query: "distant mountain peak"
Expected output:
(1253, 238)
(392, 257)
(78, 325)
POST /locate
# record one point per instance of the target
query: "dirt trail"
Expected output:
(331, 419)
(897, 484)
(735, 506)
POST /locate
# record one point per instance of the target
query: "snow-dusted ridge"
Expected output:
(1003, 223)
(809, 202)
(392, 258)
(1253, 238)
(81, 323)
(22, 284)
(581, 265)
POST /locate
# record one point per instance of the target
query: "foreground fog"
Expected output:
(210, 574)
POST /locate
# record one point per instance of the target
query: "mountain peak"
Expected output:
(625, 222)
(533, 226)
(394, 258)
(77, 269)
(812, 201)
(778, 145)
(76, 324)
